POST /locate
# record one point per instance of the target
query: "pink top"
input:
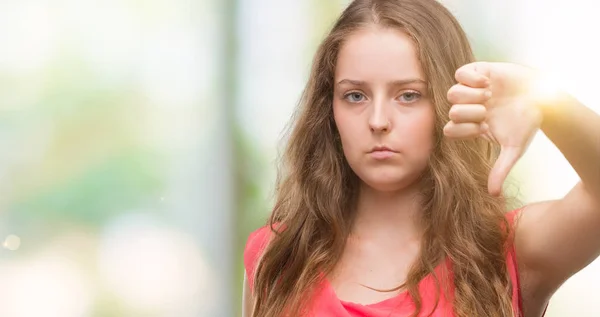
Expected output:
(328, 304)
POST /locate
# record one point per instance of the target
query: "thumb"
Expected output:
(509, 155)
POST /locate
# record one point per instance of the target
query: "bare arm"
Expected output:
(247, 300)
(556, 239)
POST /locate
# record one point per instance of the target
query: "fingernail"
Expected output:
(487, 94)
(484, 127)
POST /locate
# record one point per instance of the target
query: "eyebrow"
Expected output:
(392, 83)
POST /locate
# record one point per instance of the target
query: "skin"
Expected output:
(379, 101)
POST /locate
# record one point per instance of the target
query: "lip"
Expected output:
(381, 152)
(381, 148)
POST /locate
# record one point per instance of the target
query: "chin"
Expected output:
(389, 183)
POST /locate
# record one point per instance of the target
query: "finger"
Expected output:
(474, 75)
(487, 135)
(463, 130)
(468, 113)
(509, 156)
(460, 93)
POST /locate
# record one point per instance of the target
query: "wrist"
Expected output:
(548, 97)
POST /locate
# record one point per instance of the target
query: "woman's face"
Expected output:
(381, 108)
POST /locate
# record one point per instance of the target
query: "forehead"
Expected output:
(378, 54)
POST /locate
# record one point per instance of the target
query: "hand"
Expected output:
(493, 101)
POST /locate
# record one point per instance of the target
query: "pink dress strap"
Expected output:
(513, 268)
(511, 262)
(255, 245)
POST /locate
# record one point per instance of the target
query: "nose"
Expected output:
(379, 119)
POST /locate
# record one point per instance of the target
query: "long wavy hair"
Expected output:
(316, 189)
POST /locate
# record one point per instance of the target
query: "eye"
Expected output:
(354, 97)
(410, 97)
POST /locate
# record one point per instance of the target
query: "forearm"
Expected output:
(575, 130)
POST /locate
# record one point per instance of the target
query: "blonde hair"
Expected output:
(317, 189)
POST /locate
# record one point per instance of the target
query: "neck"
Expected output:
(388, 214)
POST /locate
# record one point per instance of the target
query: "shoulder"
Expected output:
(255, 245)
(531, 210)
(525, 280)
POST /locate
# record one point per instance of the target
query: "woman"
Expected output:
(389, 202)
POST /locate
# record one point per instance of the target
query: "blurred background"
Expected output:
(138, 141)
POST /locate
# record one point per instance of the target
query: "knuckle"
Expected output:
(458, 74)
(453, 94)
(453, 113)
(448, 129)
